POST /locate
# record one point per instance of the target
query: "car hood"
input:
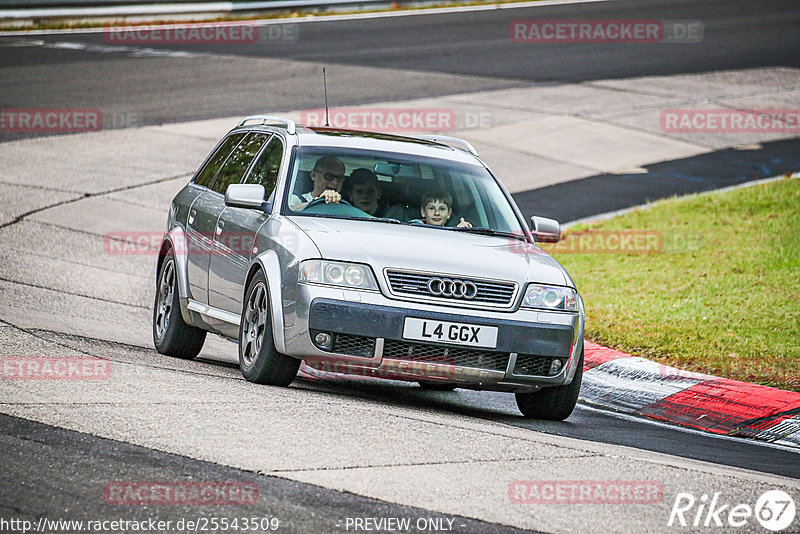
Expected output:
(414, 247)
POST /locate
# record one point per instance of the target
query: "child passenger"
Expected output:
(436, 208)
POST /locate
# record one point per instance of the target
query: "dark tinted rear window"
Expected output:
(265, 170)
(206, 175)
(235, 166)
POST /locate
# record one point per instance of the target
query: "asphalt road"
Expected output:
(72, 470)
(586, 423)
(57, 474)
(377, 60)
(606, 193)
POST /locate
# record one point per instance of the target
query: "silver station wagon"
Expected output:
(358, 253)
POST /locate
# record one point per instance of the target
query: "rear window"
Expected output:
(212, 166)
(238, 162)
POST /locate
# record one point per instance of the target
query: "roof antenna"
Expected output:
(325, 84)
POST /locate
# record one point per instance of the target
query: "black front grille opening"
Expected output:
(531, 365)
(350, 345)
(354, 345)
(445, 354)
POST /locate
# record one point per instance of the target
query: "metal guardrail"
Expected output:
(28, 9)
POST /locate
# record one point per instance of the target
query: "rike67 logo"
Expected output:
(774, 510)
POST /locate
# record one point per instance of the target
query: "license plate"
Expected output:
(471, 335)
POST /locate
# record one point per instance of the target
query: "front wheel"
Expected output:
(554, 403)
(259, 361)
(171, 334)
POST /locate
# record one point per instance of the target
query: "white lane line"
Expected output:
(132, 51)
(18, 43)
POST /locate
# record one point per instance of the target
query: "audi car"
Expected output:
(361, 253)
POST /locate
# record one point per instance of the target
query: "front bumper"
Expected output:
(367, 331)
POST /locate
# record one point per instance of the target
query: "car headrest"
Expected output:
(303, 184)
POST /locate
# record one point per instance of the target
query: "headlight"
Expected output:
(337, 273)
(550, 298)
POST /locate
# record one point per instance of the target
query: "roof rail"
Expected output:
(447, 140)
(290, 126)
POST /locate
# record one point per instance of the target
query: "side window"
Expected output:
(265, 170)
(236, 165)
(206, 175)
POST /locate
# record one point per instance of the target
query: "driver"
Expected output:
(328, 177)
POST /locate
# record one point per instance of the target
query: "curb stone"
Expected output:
(618, 381)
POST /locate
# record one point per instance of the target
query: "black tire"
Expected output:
(553, 403)
(437, 386)
(171, 334)
(259, 361)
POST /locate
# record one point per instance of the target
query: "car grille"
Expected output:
(478, 359)
(406, 283)
(528, 364)
(354, 345)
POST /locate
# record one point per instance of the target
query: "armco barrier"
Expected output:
(39, 9)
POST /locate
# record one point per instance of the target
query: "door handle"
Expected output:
(220, 224)
(192, 214)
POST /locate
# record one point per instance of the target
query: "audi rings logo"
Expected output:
(459, 289)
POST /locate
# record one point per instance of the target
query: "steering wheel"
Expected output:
(318, 206)
(321, 200)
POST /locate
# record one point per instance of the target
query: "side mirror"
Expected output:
(545, 230)
(245, 196)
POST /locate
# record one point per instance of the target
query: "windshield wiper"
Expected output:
(488, 231)
(378, 219)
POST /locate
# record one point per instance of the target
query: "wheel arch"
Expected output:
(175, 240)
(268, 263)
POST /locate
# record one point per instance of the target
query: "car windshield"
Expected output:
(399, 189)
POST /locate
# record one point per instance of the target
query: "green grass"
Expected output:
(722, 296)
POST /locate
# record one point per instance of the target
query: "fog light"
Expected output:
(323, 340)
(555, 366)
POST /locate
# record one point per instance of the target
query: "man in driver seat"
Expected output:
(328, 177)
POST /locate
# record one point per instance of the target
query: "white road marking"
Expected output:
(132, 51)
(20, 43)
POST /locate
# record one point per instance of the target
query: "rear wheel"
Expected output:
(259, 361)
(554, 403)
(171, 334)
